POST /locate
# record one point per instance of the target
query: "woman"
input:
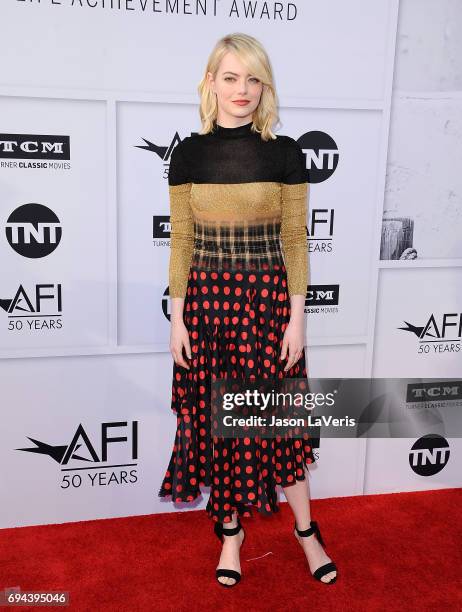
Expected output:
(237, 194)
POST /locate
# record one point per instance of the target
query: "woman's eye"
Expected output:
(251, 78)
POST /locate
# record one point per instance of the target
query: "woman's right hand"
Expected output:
(179, 338)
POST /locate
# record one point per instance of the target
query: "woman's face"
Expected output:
(238, 92)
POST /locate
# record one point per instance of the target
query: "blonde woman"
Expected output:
(238, 193)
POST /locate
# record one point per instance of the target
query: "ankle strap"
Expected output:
(307, 532)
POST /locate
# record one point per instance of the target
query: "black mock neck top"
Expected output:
(237, 202)
(232, 132)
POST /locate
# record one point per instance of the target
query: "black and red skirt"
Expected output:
(236, 320)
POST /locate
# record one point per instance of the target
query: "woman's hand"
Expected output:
(292, 343)
(294, 335)
(179, 338)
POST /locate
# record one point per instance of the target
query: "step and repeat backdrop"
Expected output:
(94, 96)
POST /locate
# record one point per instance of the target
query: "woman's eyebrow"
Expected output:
(234, 73)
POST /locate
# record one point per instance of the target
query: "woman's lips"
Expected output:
(241, 102)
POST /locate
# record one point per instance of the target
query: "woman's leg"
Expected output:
(298, 496)
(230, 552)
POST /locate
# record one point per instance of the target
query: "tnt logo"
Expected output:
(33, 230)
(429, 455)
(166, 303)
(321, 155)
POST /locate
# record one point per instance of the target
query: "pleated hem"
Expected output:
(244, 509)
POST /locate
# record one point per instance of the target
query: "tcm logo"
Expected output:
(323, 295)
(161, 226)
(25, 146)
(33, 230)
(434, 391)
(322, 155)
(83, 454)
(38, 309)
(429, 455)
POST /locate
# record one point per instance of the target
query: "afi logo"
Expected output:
(162, 151)
(438, 329)
(33, 230)
(22, 302)
(321, 224)
(80, 448)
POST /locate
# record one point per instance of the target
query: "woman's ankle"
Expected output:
(231, 524)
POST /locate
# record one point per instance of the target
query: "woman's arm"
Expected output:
(294, 196)
(181, 224)
(181, 249)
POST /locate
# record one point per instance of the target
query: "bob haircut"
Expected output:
(252, 54)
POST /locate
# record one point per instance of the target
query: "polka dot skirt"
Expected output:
(236, 322)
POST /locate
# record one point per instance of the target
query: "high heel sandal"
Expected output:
(229, 573)
(327, 567)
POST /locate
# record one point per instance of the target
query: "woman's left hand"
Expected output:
(292, 343)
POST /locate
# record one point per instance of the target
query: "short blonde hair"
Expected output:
(252, 54)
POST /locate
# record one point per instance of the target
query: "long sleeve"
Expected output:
(181, 224)
(294, 193)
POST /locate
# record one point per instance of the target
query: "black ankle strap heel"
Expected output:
(220, 531)
(327, 567)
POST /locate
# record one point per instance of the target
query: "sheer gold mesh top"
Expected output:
(237, 202)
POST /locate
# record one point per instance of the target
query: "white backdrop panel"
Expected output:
(348, 200)
(77, 195)
(388, 468)
(424, 182)
(121, 46)
(409, 298)
(335, 361)
(59, 395)
(143, 198)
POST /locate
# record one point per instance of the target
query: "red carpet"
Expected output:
(399, 551)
